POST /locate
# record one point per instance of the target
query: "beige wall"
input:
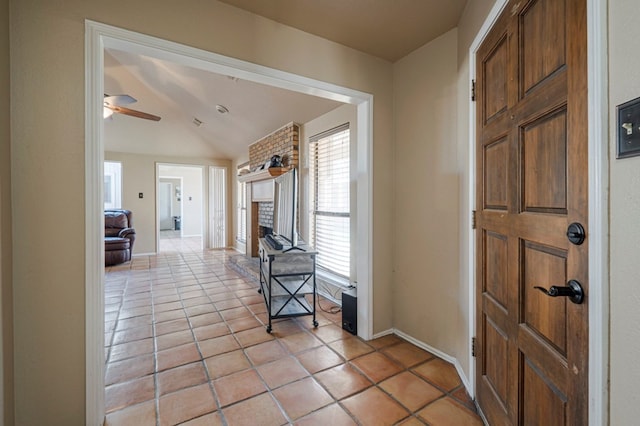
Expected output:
(6, 321)
(431, 262)
(624, 85)
(47, 43)
(138, 175)
(426, 196)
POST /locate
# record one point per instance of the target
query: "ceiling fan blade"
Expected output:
(133, 112)
(119, 99)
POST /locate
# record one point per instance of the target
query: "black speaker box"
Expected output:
(349, 311)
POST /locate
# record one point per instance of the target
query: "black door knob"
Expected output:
(573, 291)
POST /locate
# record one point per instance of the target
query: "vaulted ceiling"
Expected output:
(187, 99)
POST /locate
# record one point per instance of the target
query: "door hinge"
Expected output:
(473, 219)
(473, 90)
(473, 347)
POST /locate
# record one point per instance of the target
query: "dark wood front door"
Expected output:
(532, 349)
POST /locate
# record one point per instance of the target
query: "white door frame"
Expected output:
(100, 36)
(598, 234)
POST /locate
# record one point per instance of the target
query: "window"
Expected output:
(241, 232)
(112, 185)
(108, 193)
(330, 218)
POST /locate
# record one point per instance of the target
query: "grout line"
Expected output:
(155, 355)
(183, 273)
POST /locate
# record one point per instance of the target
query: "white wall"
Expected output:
(624, 85)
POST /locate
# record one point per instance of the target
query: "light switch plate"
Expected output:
(629, 128)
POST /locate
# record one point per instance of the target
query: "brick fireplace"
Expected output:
(284, 142)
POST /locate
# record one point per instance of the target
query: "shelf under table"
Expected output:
(291, 306)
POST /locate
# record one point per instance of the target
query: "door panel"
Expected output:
(496, 66)
(543, 43)
(496, 157)
(544, 315)
(532, 183)
(495, 268)
(544, 157)
(542, 402)
(496, 376)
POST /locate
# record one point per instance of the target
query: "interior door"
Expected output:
(532, 349)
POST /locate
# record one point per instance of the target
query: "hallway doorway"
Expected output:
(180, 208)
(100, 36)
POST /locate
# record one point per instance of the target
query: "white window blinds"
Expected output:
(330, 213)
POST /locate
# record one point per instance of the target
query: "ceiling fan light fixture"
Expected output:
(222, 109)
(107, 112)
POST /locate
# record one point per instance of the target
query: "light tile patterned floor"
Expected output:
(186, 344)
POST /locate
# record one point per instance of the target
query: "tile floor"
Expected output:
(186, 344)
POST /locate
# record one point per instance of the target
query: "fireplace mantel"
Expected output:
(265, 174)
(260, 185)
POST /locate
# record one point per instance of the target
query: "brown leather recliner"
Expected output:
(119, 236)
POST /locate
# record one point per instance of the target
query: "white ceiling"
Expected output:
(179, 94)
(389, 29)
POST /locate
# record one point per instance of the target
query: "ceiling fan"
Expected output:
(113, 104)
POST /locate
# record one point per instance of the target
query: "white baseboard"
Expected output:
(383, 333)
(144, 254)
(436, 352)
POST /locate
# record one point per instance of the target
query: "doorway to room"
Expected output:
(169, 214)
(180, 207)
(99, 37)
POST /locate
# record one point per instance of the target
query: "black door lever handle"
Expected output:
(573, 291)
